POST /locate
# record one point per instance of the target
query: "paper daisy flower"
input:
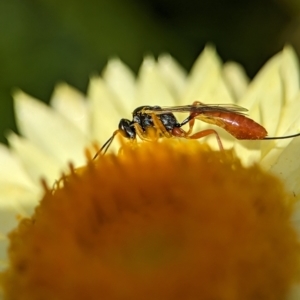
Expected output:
(52, 136)
(168, 220)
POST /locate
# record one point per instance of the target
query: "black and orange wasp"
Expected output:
(230, 117)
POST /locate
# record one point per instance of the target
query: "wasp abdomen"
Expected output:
(238, 125)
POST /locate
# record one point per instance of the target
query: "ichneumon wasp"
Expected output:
(230, 117)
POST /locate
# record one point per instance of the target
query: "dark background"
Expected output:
(43, 42)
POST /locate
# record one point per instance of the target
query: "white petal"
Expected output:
(35, 161)
(9, 216)
(290, 118)
(265, 92)
(121, 81)
(271, 105)
(292, 183)
(19, 199)
(249, 152)
(151, 89)
(294, 293)
(264, 101)
(290, 124)
(11, 170)
(56, 136)
(104, 114)
(289, 71)
(236, 79)
(173, 75)
(296, 217)
(287, 165)
(3, 256)
(205, 82)
(72, 105)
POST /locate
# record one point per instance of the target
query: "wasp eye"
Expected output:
(156, 107)
(125, 126)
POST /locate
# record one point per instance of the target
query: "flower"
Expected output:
(151, 224)
(52, 136)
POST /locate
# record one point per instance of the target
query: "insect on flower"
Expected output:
(230, 117)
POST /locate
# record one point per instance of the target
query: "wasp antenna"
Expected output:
(106, 145)
(281, 137)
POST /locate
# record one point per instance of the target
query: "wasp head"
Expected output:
(126, 129)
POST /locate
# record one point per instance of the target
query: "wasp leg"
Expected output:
(191, 126)
(196, 103)
(141, 134)
(161, 129)
(203, 133)
(191, 119)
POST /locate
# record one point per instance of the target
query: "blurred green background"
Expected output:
(47, 41)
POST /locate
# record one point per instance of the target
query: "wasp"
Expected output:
(230, 117)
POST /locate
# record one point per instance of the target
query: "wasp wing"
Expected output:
(197, 108)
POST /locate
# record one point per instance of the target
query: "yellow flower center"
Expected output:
(170, 220)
